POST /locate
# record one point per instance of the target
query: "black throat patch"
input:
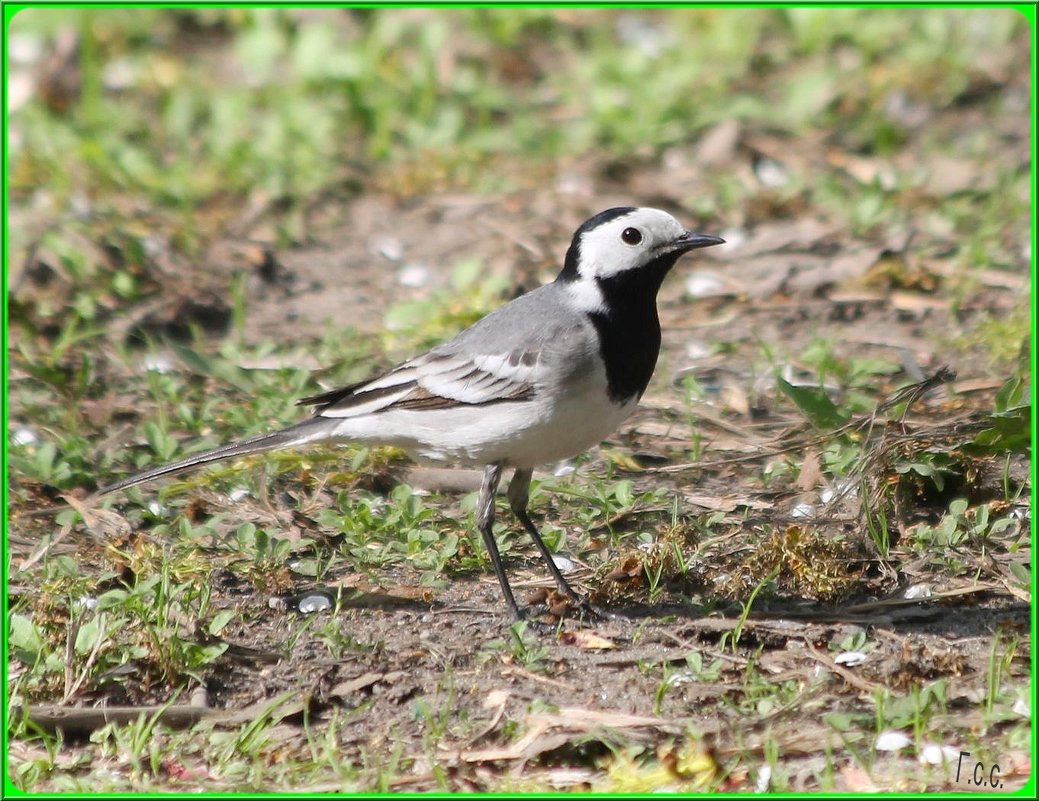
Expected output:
(628, 327)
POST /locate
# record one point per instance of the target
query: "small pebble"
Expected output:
(390, 248)
(840, 489)
(697, 349)
(932, 754)
(764, 779)
(771, 173)
(157, 363)
(892, 741)
(703, 285)
(23, 436)
(850, 658)
(314, 603)
(802, 510)
(564, 564)
(565, 468)
(678, 678)
(413, 275)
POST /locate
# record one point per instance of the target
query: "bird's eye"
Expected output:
(631, 236)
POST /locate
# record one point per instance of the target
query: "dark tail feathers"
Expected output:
(287, 437)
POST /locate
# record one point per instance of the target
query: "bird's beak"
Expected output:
(691, 241)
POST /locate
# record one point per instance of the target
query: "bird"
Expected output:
(542, 378)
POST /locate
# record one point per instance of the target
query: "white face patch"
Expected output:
(626, 243)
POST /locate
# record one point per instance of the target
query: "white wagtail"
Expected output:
(543, 378)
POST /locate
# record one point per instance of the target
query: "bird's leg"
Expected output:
(485, 522)
(519, 494)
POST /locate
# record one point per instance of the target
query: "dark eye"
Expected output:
(631, 236)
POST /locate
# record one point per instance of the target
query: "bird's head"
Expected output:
(629, 240)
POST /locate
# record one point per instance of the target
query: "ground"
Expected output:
(812, 539)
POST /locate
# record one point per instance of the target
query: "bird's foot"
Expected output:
(561, 604)
(598, 613)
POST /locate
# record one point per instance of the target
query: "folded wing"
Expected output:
(436, 381)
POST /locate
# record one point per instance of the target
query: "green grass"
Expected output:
(292, 95)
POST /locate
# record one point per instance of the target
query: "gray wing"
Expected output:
(505, 356)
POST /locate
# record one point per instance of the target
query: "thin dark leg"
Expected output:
(485, 522)
(519, 494)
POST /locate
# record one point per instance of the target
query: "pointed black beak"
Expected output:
(691, 241)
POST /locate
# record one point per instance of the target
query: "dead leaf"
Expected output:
(588, 719)
(915, 302)
(732, 397)
(352, 686)
(587, 640)
(717, 503)
(629, 567)
(526, 674)
(864, 170)
(495, 698)
(997, 279)
(99, 522)
(573, 721)
(383, 599)
(856, 780)
(811, 471)
(531, 744)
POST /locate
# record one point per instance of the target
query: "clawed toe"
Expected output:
(560, 605)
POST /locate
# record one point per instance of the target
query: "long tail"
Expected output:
(306, 431)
